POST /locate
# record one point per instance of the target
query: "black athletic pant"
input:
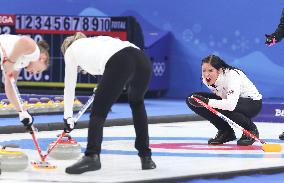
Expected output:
(245, 110)
(128, 66)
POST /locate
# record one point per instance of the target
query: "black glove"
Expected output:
(26, 119)
(270, 39)
(69, 124)
(194, 103)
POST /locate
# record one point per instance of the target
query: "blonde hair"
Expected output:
(70, 39)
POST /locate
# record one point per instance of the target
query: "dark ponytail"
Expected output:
(218, 63)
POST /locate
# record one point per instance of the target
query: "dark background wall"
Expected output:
(231, 29)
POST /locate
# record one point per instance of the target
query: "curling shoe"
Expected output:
(222, 137)
(281, 136)
(87, 163)
(147, 163)
(247, 140)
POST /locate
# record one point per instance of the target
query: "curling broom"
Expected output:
(76, 118)
(265, 147)
(42, 164)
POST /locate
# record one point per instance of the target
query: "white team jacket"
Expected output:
(230, 86)
(7, 42)
(91, 54)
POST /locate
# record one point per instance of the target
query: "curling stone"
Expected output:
(58, 99)
(77, 105)
(5, 101)
(33, 100)
(39, 107)
(49, 106)
(6, 108)
(12, 159)
(58, 104)
(44, 105)
(2, 108)
(67, 148)
(44, 99)
(36, 105)
(11, 109)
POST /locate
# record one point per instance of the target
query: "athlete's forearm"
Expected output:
(11, 95)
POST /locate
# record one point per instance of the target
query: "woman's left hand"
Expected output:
(193, 102)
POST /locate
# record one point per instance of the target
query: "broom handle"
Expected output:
(20, 103)
(228, 120)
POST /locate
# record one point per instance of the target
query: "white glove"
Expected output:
(69, 124)
(26, 118)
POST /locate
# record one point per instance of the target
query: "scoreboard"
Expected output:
(54, 29)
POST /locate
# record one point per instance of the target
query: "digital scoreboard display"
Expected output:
(54, 29)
